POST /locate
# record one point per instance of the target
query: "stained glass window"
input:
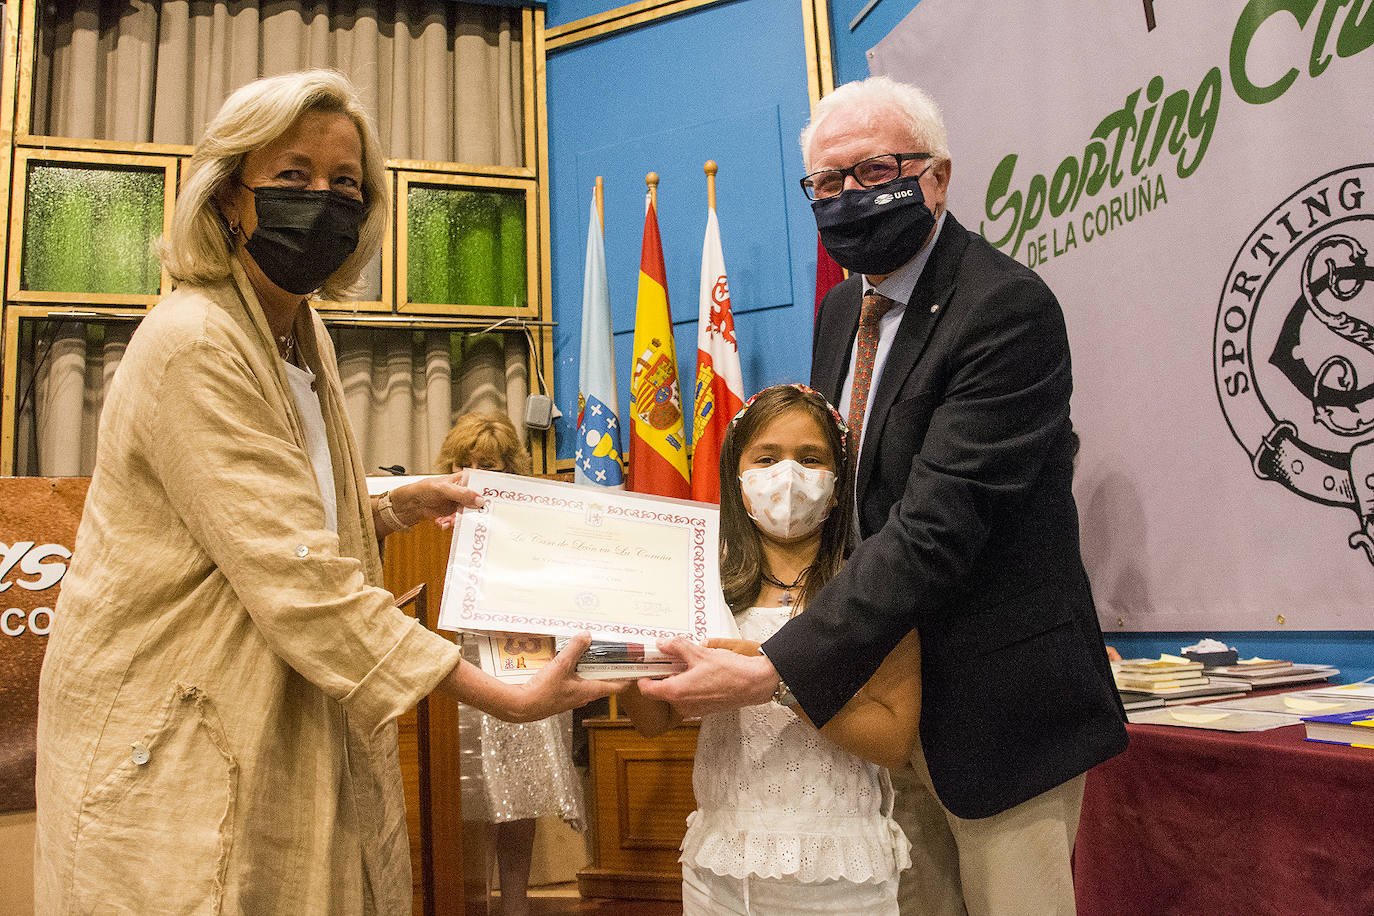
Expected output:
(90, 229)
(465, 247)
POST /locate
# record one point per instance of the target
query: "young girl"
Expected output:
(789, 819)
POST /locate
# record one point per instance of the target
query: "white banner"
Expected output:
(1194, 182)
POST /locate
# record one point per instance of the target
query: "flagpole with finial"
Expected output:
(711, 168)
(598, 196)
(651, 180)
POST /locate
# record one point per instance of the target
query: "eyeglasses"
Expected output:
(869, 174)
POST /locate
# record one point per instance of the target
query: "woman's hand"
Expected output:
(738, 646)
(556, 687)
(439, 498)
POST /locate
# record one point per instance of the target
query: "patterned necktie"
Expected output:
(875, 306)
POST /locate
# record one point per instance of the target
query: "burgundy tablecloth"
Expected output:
(1194, 821)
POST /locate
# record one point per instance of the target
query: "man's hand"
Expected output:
(715, 679)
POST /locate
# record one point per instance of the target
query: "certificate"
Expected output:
(555, 558)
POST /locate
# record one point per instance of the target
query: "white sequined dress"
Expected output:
(776, 799)
(517, 770)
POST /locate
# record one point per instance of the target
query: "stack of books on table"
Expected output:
(1145, 682)
(1354, 729)
(1259, 673)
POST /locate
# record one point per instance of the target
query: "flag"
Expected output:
(828, 273)
(598, 453)
(720, 386)
(658, 450)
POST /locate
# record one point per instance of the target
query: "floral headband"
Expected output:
(804, 389)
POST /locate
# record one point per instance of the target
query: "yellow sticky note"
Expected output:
(1196, 716)
(1302, 704)
(1165, 657)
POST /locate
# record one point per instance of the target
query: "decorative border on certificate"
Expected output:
(555, 558)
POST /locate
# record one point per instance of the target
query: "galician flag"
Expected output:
(658, 448)
(720, 387)
(597, 459)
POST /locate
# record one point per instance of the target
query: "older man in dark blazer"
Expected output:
(951, 363)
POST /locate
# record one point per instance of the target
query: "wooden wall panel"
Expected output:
(429, 737)
(642, 796)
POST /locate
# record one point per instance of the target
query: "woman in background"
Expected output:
(513, 773)
(216, 715)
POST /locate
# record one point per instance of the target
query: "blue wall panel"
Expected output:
(727, 82)
(699, 87)
(849, 49)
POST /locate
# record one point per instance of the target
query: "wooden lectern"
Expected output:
(413, 565)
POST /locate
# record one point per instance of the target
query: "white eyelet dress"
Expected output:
(786, 821)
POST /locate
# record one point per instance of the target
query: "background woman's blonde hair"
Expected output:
(482, 435)
(199, 246)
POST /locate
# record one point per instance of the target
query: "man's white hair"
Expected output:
(870, 97)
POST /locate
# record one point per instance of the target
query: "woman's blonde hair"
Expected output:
(483, 434)
(199, 246)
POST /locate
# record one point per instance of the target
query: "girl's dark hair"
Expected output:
(741, 547)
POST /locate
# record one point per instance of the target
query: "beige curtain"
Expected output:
(403, 390)
(61, 403)
(443, 80)
(444, 83)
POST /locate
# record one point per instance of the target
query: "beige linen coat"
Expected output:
(216, 711)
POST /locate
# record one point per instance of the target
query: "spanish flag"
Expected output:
(658, 447)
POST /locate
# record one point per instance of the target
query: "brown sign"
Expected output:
(38, 520)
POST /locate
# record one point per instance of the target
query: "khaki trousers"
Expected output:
(1016, 862)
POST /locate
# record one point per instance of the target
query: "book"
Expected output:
(1165, 664)
(1355, 729)
(1175, 694)
(1362, 689)
(1294, 674)
(1152, 682)
(1298, 703)
(1223, 720)
(1250, 666)
(1228, 694)
(514, 658)
(1136, 699)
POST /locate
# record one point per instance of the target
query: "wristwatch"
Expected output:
(783, 695)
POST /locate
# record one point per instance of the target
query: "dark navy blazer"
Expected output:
(970, 535)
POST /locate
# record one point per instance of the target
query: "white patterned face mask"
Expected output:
(787, 500)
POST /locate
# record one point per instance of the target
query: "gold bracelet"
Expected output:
(388, 514)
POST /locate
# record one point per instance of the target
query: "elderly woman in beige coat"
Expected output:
(216, 712)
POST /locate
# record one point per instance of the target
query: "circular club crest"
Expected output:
(1293, 349)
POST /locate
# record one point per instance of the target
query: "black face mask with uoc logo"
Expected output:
(875, 230)
(303, 236)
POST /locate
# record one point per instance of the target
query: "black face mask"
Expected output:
(303, 236)
(875, 230)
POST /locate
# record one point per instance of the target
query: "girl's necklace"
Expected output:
(786, 587)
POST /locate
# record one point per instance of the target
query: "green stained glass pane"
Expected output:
(90, 229)
(465, 247)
